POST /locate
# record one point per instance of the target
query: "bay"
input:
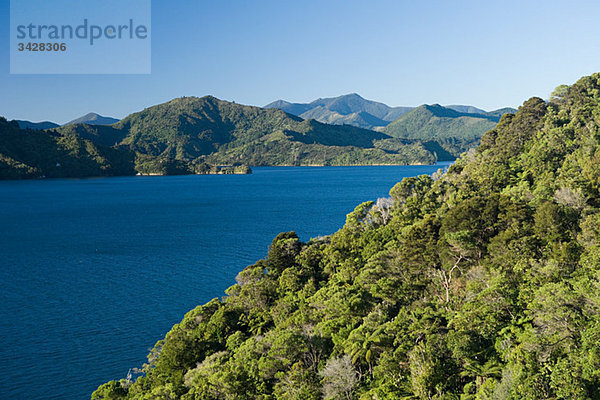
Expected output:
(94, 271)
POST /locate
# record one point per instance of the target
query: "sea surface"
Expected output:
(94, 271)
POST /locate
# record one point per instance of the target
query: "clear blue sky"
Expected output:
(487, 54)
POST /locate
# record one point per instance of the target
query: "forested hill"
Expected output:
(194, 135)
(64, 153)
(350, 109)
(36, 125)
(219, 132)
(455, 131)
(480, 284)
(32, 153)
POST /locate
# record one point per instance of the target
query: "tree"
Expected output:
(339, 378)
(559, 93)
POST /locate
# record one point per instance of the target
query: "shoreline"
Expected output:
(232, 173)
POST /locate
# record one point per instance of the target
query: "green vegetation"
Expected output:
(78, 151)
(150, 165)
(37, 154)
(481, 283)
(360, 119)
(352, 109)
(454, 131)
(349, 109)
(37, 125)
(208, 130)
(196, 135)
(445, 132)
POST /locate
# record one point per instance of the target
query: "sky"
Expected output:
(402, 53)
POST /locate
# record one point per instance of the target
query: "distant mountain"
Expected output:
(466, 109)
(350, 109)
(38, 154)
(474, 110)
(361, 119)
(452, 130)
(501, 111)
(218, 132)
(195, 135)
(93, 119)
(290, 108)
(38, 126)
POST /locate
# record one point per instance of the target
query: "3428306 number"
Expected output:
(41, 46)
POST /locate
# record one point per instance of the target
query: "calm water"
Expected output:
(93, 272)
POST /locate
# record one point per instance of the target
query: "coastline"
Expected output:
(227, 172)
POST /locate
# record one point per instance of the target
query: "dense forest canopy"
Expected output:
(454, 131)
(78, 151)
(208, 130)
(352, 109)
(482, 283)
(32, 153)
(197, 135)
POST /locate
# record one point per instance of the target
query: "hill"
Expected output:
(360, 119)
(194, 135)
(453, 130)
(78, 151)
(93, 119)
(466, 109)
(501, 111)
(218, 132)
(37, 154)
(38, 126)
(481, 283)
(351, 109)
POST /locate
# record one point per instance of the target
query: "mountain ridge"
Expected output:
(221, 132)
(336, 109)
(34, 154)
(353, 109)
(191, 134)
(93, 118)
(39, 126)
(453, 130)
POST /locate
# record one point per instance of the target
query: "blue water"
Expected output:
(93, 272)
